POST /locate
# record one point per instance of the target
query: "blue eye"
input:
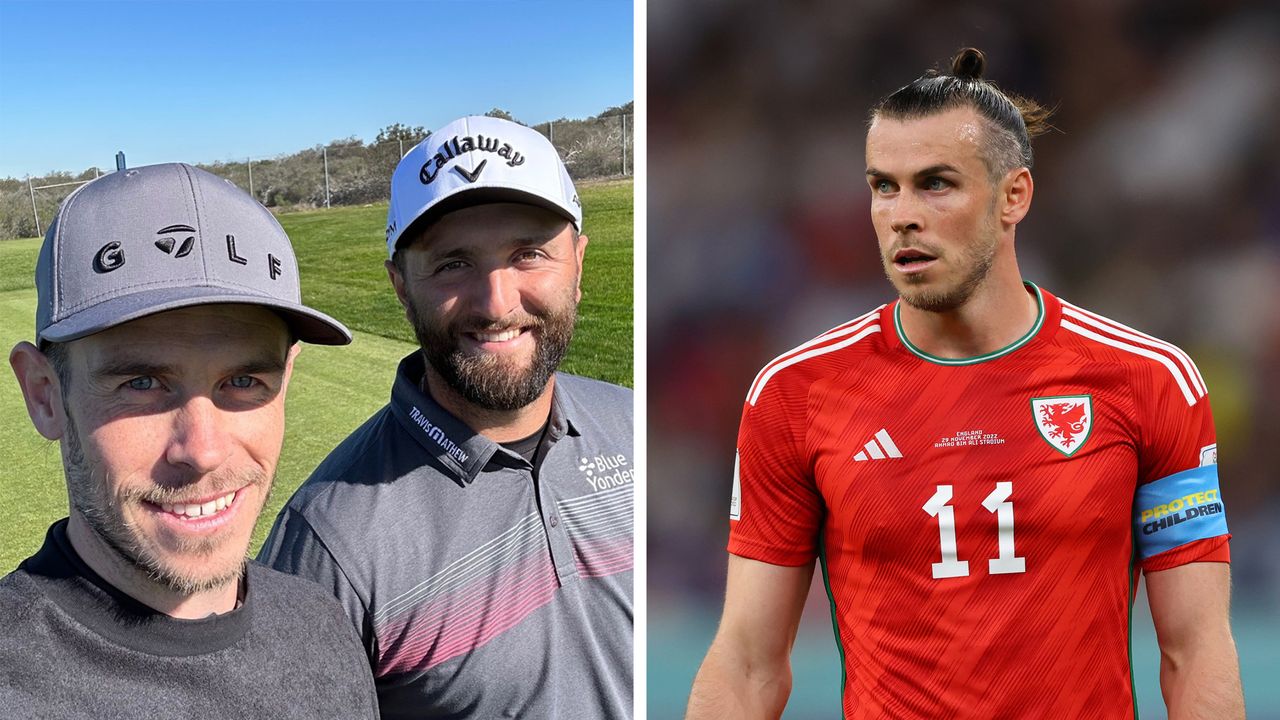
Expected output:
(142, 383)
(242, 381)
(935, 183)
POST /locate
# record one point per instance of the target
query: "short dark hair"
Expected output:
(56, 353)
(1011, 120)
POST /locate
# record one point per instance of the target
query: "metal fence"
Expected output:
(344, 172)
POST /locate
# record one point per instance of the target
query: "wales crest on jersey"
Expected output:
(1064, 421)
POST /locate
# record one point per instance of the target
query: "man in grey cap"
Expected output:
(478, 529)
(168, 309)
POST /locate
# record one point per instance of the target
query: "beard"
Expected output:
(974, 263)
(103, 511)
(488, 380)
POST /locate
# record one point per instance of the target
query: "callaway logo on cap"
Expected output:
(161, 237)
(477, 160)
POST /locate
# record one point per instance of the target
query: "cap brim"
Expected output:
(308, 325)
(478, 195)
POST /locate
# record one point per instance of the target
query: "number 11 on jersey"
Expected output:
(997, 502)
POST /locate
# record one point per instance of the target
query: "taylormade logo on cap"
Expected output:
(475, 160)
(161, 237)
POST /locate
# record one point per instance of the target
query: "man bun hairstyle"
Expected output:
(969, 64)
(1011, 120)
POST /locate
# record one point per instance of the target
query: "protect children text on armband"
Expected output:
(1177, 510)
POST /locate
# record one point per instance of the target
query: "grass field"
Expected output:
(340, 254)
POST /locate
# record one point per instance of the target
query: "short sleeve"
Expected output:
(294, 547)
(1179, 512)
(776, 511)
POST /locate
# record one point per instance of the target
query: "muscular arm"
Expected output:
(1199, 669)
(747, 672)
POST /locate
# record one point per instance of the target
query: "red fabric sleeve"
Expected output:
(780, 510)
(1214, 549)
(1177, 436)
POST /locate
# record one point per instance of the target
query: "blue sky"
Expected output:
(206, 81)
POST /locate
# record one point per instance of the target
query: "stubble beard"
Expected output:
(488, 380)
(104, 513)
(975, 261)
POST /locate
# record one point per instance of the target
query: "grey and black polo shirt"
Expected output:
(483, 586)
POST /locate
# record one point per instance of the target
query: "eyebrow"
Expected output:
(128, 367)
(261, 366)
(539, 239)
(458, 253)
(464, 252)
(931, 170)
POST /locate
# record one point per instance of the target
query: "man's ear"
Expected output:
(41, 390)
(288, 365)
(1016, 192)
(398, 283)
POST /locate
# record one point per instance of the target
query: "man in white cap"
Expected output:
(478, 529)
(168, 310)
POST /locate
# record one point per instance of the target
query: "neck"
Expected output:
(998, 313)
(128, 578)
(497, 425)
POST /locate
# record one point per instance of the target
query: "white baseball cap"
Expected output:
(476, 160)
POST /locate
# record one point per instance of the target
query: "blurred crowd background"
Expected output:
(1157, 204)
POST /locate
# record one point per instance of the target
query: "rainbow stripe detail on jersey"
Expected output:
(1178, 509)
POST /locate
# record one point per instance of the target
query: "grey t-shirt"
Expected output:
(482, 586)
(73, 646)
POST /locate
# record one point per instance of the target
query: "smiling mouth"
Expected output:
(193, 511)
(502, 336)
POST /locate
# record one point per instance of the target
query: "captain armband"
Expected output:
(1177, 510)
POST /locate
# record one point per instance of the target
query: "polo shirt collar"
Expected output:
(446, 438)
(563, 410)
(449, 440)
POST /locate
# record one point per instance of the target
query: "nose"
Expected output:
(497, 294)
(905, 215)
(199, 438)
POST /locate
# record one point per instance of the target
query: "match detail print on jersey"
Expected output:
(1177, 510)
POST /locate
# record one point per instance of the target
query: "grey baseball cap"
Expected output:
(162, 237)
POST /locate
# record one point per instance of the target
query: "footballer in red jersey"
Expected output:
(983, 469)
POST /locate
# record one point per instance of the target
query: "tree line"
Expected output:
(348, 171)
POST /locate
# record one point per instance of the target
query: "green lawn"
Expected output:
(340, 254)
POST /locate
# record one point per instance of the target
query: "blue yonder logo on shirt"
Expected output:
(597, 470)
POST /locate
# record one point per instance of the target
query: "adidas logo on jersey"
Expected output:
(878, 450)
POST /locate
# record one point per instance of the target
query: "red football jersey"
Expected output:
(975, 518)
